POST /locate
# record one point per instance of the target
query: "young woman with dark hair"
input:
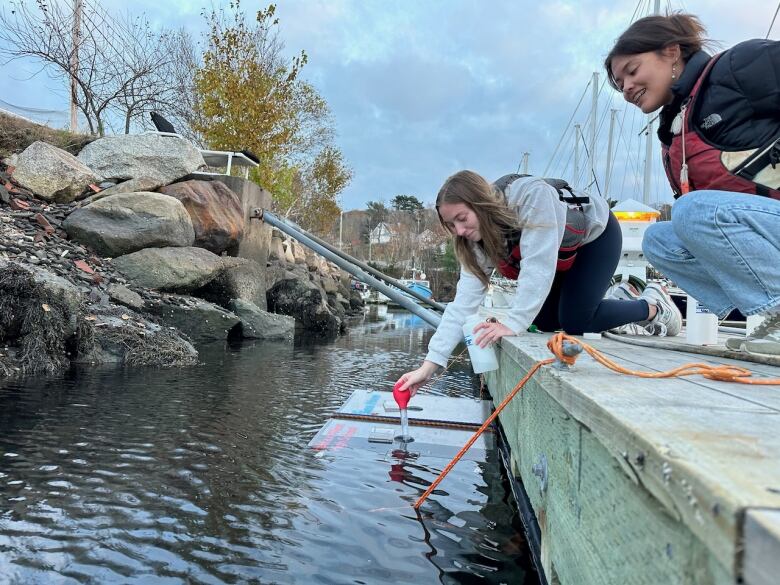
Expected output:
(720, 134)
(562, 252)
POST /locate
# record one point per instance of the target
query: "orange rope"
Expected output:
(721, 372)
(481, 429)
(555, 345)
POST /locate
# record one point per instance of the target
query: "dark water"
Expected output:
(201, 475)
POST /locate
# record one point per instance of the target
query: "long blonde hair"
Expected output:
(496, 219)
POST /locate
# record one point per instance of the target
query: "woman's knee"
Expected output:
(693, 216)
(656, 241)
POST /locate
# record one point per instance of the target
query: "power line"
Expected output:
(31, 110)
(574, 113)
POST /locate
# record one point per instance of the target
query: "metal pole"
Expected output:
(576, 155)
(525, 162)
(613, 113)
(648, 163)
(593, 121)
(649, 144)
(372, 271)
(428, 316)
(74, 64)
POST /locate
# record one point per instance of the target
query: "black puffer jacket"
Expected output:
(739, 105)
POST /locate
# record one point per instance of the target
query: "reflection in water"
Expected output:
(201, 475)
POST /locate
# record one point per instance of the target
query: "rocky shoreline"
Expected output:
(145, 265)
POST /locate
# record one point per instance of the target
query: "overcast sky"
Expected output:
(422, 89)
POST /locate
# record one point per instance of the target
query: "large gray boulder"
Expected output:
(53, 174)
(138, 185)
(200, 320)
(305, 301)
(170, 269)
(240, 278)
(128, 222)
(130, 156)
(259, 324)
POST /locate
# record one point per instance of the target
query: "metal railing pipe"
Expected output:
(373, 271)
(404, 301)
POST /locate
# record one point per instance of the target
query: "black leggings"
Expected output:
(576, 301)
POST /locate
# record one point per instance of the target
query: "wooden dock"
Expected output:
(642, 481)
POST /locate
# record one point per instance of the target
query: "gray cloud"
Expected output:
(419, 90)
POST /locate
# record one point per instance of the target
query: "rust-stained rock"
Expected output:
(215, 211)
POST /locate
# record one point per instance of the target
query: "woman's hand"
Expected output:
(491, 333)
(416, 378)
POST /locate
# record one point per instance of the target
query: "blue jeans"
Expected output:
(722, 248)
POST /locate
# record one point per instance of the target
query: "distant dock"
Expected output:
(644, 481)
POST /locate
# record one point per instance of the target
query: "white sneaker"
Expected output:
(766, 338)
(769, 322)
(623, 291)
(668, 320)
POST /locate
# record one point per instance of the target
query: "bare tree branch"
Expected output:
(125, 68)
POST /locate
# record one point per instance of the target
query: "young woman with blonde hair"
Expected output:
(562, 250)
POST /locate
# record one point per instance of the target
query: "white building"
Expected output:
(381, 234)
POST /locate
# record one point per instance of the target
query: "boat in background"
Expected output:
(363, 290)
(418, 284)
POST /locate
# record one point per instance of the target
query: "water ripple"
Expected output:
(201, 475)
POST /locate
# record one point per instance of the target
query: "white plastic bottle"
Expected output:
(483, 359)
(701, 326)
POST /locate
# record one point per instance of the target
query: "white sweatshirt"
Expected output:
(542, 218)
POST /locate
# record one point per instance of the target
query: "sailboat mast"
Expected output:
(649, 143)
(612, 115)
(576, 155)
(594, 105)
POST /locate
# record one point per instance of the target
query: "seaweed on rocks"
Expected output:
(7, 367)
(38, 321)
(162, 348)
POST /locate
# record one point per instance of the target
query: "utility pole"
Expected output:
(341, 227)
(649, 144)
(74, 63)
(370, 239)
(608, 173)
(594, 105)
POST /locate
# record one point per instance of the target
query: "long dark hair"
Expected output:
(496, 219)
(655, 33)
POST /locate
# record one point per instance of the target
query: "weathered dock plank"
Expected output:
(648, 481)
